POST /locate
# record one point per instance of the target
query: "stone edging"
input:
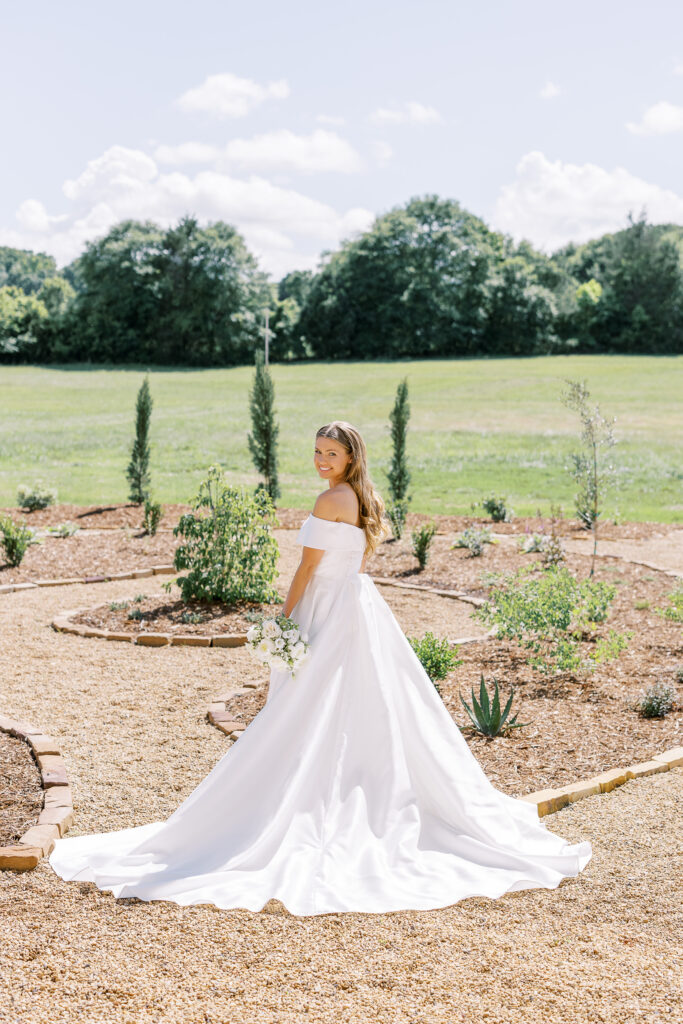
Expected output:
(62, 623)
(134, 574)
(57, 813)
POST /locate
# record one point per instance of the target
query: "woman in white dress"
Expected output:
(352, 789)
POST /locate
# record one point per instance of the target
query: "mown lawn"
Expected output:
(477, 426)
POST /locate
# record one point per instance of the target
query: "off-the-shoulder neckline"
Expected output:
(334, 522)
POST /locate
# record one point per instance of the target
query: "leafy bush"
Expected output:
(497, 509)
(607, 648)
(532, 542)
(63, 530)
(33, 498)
(422, 539)
(546, 613)
(473, 539)
(397, 513)
(151, 516)
(656, 701)
(16, 540)
(548, 544)
(229, 549)
(673, 611)
(486, 716)
(437, 656)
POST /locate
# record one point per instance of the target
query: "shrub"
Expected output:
(422, 539)
(437, 656)
(552, 551)
(118, 606)
(63, 530)
(546, 613)
(136, 614)
(33, 498)
(497, 509)
(194, 618)
(532, 542)
(151, 517)
(673, 611)
(473, 539)
(397, 513)
(263, 438)
(486, 716)
(229, 549)
(16, 540)
(138, 467)
(656, 701)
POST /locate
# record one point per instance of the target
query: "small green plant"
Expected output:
(497, 509)
(437, 656)
(610, 647)
(474, 539)
(151, 517)
(531, 542)
(119, 606)
(673, 610)
(67, 529)
(422, 539)
(228, 545)
(485, 714)
(641, 605)
(16, 540)
(398, 513)
(33, 498)
(138, 467)
(546, 613)
(656, 701)
(192, 618)
(678, 673)
(139, 598)
(135, 614)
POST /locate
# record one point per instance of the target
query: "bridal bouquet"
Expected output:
(278, 642)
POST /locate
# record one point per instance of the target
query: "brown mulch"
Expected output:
(21, 789)
(165, 615)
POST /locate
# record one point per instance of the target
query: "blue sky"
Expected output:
(301, 122)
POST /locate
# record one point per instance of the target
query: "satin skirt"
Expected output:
(351, 790)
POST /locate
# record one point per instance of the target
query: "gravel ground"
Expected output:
(131, 726)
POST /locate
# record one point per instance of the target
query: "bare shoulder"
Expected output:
(339, 504)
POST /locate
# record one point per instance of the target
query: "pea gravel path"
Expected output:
(131, 726)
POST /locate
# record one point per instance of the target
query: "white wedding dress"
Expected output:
(351, 790)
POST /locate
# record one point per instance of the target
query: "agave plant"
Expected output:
(487, 717)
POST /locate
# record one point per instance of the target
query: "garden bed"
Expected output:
(21, 789)
(165, 614)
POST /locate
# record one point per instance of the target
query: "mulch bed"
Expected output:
(21, 790)
(165, 615)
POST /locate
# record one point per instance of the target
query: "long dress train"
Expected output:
(351, 790)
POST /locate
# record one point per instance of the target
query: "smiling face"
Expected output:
(330, 459)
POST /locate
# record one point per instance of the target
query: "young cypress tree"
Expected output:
(399, 475)
(138, 467)
(263, 439)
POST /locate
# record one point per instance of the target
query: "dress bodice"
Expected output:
(342, 543)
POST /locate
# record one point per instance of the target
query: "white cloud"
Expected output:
(549, 91)
(382, 151)
(660, 119)
(320, 151)
(411, 112)
(227, 95)
(284, 228)
(552, 203)
(330, 119)
(186, 153)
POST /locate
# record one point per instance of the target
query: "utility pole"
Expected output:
(267, 336)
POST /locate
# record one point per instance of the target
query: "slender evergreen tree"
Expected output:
(263, 438)
(138, 467)
(399, 475)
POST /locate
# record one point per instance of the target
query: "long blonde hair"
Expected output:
(371, 506)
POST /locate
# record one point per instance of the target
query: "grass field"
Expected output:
(477, 426)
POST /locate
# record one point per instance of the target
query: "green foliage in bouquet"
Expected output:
(228, 546)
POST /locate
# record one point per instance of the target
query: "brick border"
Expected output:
(57, 813)
(134, 574)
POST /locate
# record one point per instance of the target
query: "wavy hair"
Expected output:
(371, 505)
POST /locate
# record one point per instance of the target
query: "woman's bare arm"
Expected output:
(309, 559)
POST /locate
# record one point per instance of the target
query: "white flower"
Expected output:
(279, 643)
(265, 646)
(271, 628)
(278, 663)
(253, 634)
(298, 651)
(291, 634)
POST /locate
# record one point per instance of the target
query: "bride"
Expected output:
(352, 789)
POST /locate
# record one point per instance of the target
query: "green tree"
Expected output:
(138, 468)
(263, 437)
(21, 318)
(398, 474)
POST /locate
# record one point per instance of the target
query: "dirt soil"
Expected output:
(21, 789)
(165, 615)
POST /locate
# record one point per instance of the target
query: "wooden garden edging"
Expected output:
(57, 813)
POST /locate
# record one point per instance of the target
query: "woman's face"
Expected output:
(330, 458)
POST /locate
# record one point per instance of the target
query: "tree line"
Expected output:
(427, 279)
